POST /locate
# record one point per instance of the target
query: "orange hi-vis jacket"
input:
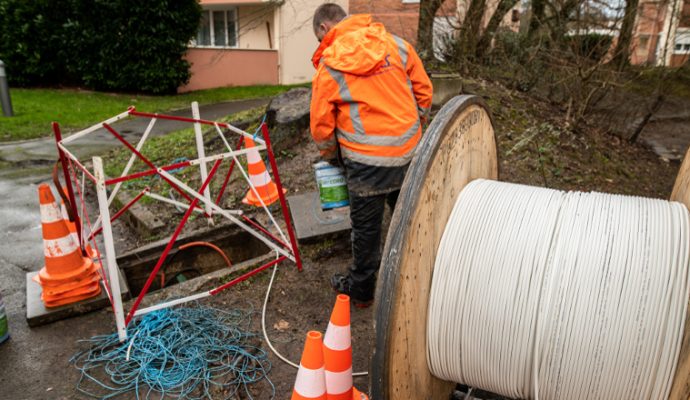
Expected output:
(368, 94)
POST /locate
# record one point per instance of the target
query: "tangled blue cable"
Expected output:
(189, 353)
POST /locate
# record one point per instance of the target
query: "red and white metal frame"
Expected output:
(197, 201)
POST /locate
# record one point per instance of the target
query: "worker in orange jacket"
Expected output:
(370, 95)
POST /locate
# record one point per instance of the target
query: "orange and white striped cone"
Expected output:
(337, 353)
(310, 383)
(69, 276)
(73, 228)
(260, 179)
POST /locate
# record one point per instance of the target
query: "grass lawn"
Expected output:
(35, 109)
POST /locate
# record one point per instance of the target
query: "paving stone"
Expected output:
(311, 222)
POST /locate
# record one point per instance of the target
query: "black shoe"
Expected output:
(343, 285)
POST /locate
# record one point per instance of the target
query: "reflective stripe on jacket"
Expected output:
(368, 93)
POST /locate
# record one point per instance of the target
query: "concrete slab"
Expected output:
(37, 314)
(311, 222)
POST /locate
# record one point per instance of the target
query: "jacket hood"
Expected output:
(356, 45)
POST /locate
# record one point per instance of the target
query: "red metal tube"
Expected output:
(146, 173)
(227, 177)
(120, 212)
(281, 195)
(68, 185)
(144, 159)
(246, 276)
(175, 118)
(170, 244)
(265, 231)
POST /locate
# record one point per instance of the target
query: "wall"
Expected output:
(213, 68)
(399, 18)
(297, 40)
(650, 22)
(679, 59)
(254, 33)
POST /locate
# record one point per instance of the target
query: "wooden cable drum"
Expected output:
(457, 148)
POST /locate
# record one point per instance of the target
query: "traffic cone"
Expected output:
(260, 178)
(67, 277)
(310, 383)
(337, 353)
(73, 228)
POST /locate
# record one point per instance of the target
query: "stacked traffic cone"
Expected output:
(333, 362)
(310, 383)
(337, 353)
(67, 276)
(260, 179)
(73, 228)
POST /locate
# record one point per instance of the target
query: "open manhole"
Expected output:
(192, 256)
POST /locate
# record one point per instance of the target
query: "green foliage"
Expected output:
(120, 45)
(32, 40)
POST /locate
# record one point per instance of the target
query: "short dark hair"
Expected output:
(328, 12)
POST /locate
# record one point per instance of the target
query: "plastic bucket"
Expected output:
(332, 185)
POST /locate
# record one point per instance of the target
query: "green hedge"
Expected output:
(121, 45)
(32, 40)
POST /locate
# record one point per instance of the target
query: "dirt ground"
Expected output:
(534, 149)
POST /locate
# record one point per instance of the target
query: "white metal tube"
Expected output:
(183, 205)
(224, 155)
(201, 155)
(227, 215)
(125, 171)
(251, 185)
(111, 261)
(94, 128)
(171, 303)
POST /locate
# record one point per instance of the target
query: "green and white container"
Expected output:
(4, 330)
(332, 185)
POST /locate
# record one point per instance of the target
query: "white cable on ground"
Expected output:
(542, 294)
(263, 327)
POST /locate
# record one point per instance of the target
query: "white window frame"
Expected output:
(682, 39)
(226, 12)
(410, 1)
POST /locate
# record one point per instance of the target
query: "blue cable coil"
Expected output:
(187, 353)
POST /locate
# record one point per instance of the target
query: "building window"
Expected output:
(218, 29)
(515, 16)
(682, 44)
(643, 45)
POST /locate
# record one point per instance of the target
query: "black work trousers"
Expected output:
(366, 215)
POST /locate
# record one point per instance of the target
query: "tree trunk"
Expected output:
(621, 55)
(658, 102)
(504, 6)
(470, 30)
(425, 29)
(537, 17)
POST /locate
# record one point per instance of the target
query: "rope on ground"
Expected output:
(189, 353)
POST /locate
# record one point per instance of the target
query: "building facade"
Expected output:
(260, 42)
(662, 33)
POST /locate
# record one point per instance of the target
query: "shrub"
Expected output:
(32, 41)
(134, 45)
(594, 46)
(122, 45)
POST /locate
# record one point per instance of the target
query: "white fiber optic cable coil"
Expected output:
(542, 294)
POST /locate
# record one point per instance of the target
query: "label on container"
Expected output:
(332, 186)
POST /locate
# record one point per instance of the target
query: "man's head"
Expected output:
(326, 17)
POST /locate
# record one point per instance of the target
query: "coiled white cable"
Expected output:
(543, 294)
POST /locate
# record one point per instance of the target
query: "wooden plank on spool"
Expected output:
(681, 381)
(458, 147)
